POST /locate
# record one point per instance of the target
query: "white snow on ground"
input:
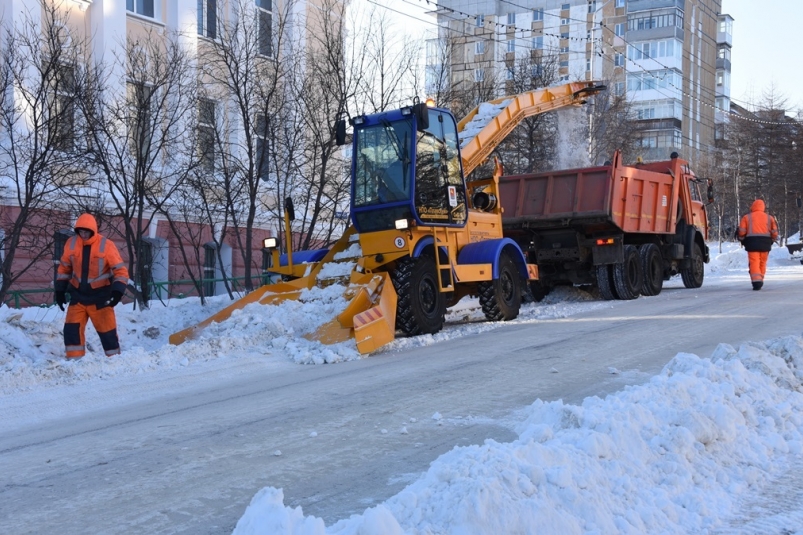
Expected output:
(679, 454)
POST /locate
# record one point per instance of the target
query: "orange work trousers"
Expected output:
(758, 265)
(103, 320)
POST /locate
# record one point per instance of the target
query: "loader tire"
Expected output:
(501, 298)
(627, 276)
(421, 306)
(693, 276)
(605, 282)
(652, 266)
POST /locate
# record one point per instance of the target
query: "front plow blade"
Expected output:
(370, 317)
(265, 295)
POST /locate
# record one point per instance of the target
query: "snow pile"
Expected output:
(670, 456)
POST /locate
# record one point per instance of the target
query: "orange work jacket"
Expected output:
(104, 270)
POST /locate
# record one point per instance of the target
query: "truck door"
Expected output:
(440, 196)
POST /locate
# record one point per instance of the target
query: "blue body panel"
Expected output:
(302, 257)
(488, 252)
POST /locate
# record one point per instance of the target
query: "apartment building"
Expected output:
(109, 27)
(661, 54)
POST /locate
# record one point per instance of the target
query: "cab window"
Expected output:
(440, 196)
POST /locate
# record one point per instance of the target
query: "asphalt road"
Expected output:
(341, 438)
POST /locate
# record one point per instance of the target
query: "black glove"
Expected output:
(61, 300)
(115, 298)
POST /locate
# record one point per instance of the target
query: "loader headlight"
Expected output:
(269, 243)
(402, 224)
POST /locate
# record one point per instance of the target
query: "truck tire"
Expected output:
(693, 275)
(420, 307)
(605, 282)
(652, 267)
(501, 297)
(627, 276)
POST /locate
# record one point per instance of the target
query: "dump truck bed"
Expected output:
(631, 199)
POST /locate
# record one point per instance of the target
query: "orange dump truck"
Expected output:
(626, 229)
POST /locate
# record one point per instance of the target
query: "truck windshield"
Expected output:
(382, 163)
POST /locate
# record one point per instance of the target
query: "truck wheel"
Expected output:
(501, 297)
(627, 276)
(605, 282)
(420, 307)
(694, 274)
(652, 266)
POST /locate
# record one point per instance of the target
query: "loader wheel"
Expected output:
(420, 307)
(627, 276)
(694, 274)
(605, 282)
(652, 266)
(501, 297)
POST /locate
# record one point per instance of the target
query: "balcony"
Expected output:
(646, 5)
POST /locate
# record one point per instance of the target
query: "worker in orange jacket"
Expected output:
(757, 231)
(92, 270)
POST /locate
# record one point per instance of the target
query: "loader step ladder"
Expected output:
(444, 270)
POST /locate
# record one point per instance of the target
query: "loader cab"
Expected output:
(407, 166)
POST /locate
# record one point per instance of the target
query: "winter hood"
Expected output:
(757, 206)
(87, 221)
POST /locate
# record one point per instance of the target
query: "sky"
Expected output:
(760, 29)
(759, 62)
(687, 451)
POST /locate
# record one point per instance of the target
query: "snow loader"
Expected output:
(421, 236)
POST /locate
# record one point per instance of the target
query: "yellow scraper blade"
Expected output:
(269, 294)
(370, 315)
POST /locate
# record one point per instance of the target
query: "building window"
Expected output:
(509, 73)
(206, 134)
(564, 63)
(564, 22)
(140, 104)
(537, 70)
(263, 148)
(538, 14)
(511, 45)
(619, 89)
(564, 50)
(479, 75)
(207, 18)
(592, 6)
(480, 20)
(564, 35)
(565, 7)
(479, 47)
(511, 19)
(620, 3)
(63, 111)
(538, 42)
(619, 59)
(619, 29)
(140, 7)
(588, 65)
(265, 27)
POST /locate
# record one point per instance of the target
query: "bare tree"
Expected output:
(247, 69)
(41, 83)
(143, 142)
